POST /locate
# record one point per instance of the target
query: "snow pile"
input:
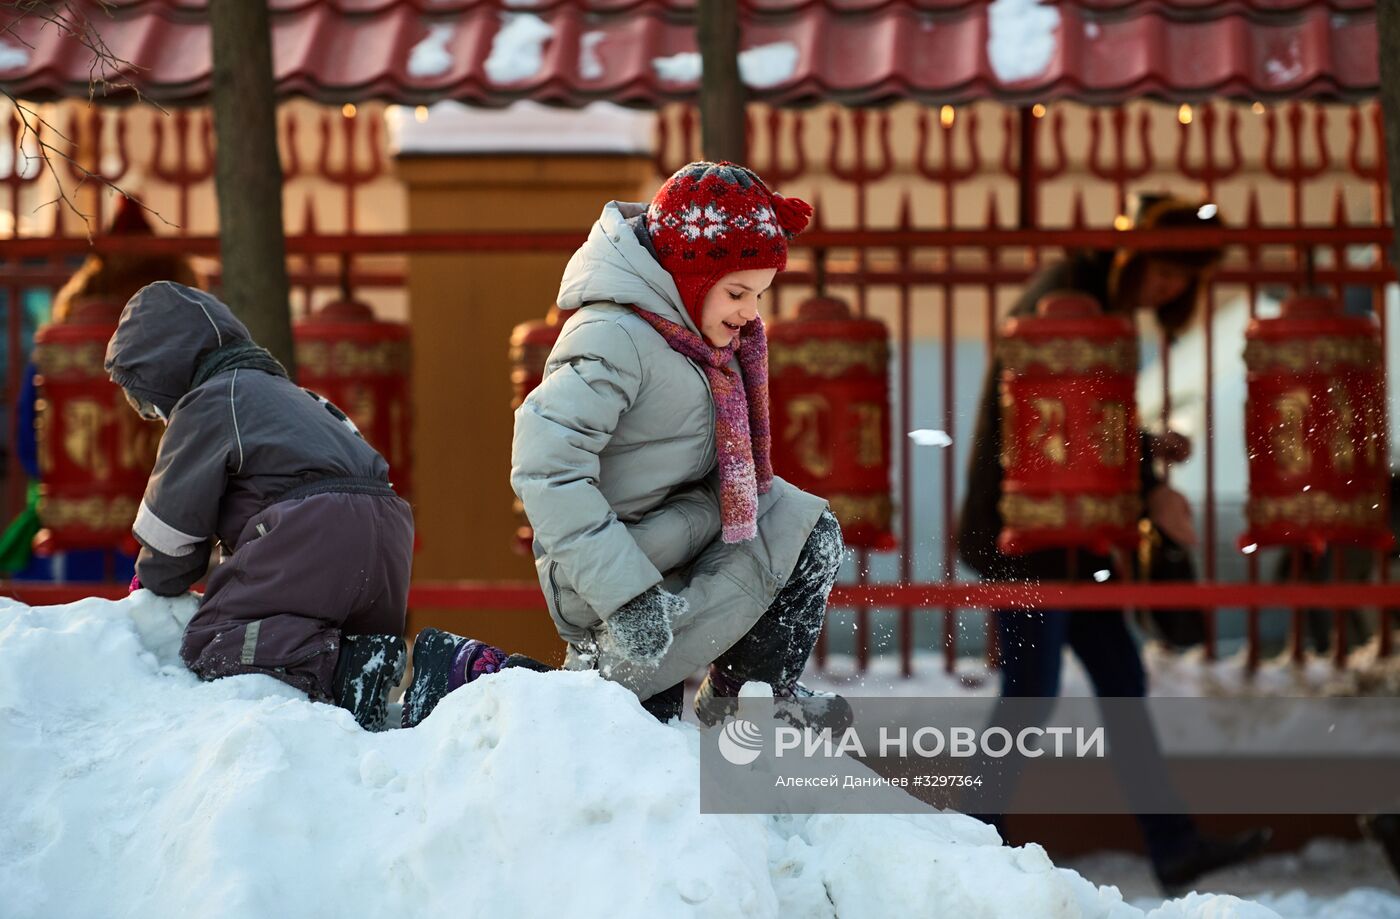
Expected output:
(1021, 38)
(517, 51)
(133, 789)
(1326, 879)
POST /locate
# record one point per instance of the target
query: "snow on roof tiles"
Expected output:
(637, 52)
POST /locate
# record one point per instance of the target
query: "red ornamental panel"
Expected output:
(95, 453)
(530, 344)
(1315, 427)
(830, 392)
(362, 365)
(1069, 441)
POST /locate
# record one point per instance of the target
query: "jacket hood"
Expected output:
(165, 330)
(614, 266)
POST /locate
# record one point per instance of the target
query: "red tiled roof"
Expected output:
(852, 51)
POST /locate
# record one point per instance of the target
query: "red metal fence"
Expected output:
(929, 217)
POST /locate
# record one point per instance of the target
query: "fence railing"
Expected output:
(937, 225)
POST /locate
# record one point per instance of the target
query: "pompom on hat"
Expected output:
(710, 219)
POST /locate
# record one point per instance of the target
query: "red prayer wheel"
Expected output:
(1315, 426)
(95, 453)
(1069, 436)
(362, 365)
(530, 344)
(828, 376)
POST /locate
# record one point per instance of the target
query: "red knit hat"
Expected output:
(710, 219)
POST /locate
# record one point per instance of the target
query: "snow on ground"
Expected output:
(132, 789)
(1170, 674)
(1328, 879)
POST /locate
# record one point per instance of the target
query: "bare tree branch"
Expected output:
(106, 75)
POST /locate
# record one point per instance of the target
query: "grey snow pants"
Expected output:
(305, 571)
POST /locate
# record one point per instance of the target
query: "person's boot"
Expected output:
(717, 697)
(815, 709)
(803, 708)
(367, 670)
(529, 663)
(667, 704)
(443, 661)
(1207, 854)
(1385, 829)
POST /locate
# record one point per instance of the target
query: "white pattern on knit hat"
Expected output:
(765, 221)
(709, 222)
(717, 221)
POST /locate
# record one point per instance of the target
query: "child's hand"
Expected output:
(641, 627)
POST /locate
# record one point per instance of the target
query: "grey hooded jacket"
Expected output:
(233, 445)
(614, 460)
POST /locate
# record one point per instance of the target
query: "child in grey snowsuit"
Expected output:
(664, 543)
(316, 547)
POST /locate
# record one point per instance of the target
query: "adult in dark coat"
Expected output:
(1032, 642)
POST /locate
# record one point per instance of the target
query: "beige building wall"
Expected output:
(463, 309)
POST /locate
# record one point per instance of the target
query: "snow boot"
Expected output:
(367, 670)
(529, 663)
(801, 707)
(1385, 829)
(1208, 854)
(666, 705)
(443, 661)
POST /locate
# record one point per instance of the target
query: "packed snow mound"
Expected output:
(133, 789)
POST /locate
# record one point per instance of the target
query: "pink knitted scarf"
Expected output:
(741, 418)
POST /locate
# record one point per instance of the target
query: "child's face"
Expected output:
(733, 303)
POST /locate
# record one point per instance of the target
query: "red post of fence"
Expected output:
(906, 469)
(1209, 396)
(1296, 620)
(1339, 614)
(1385, 638)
